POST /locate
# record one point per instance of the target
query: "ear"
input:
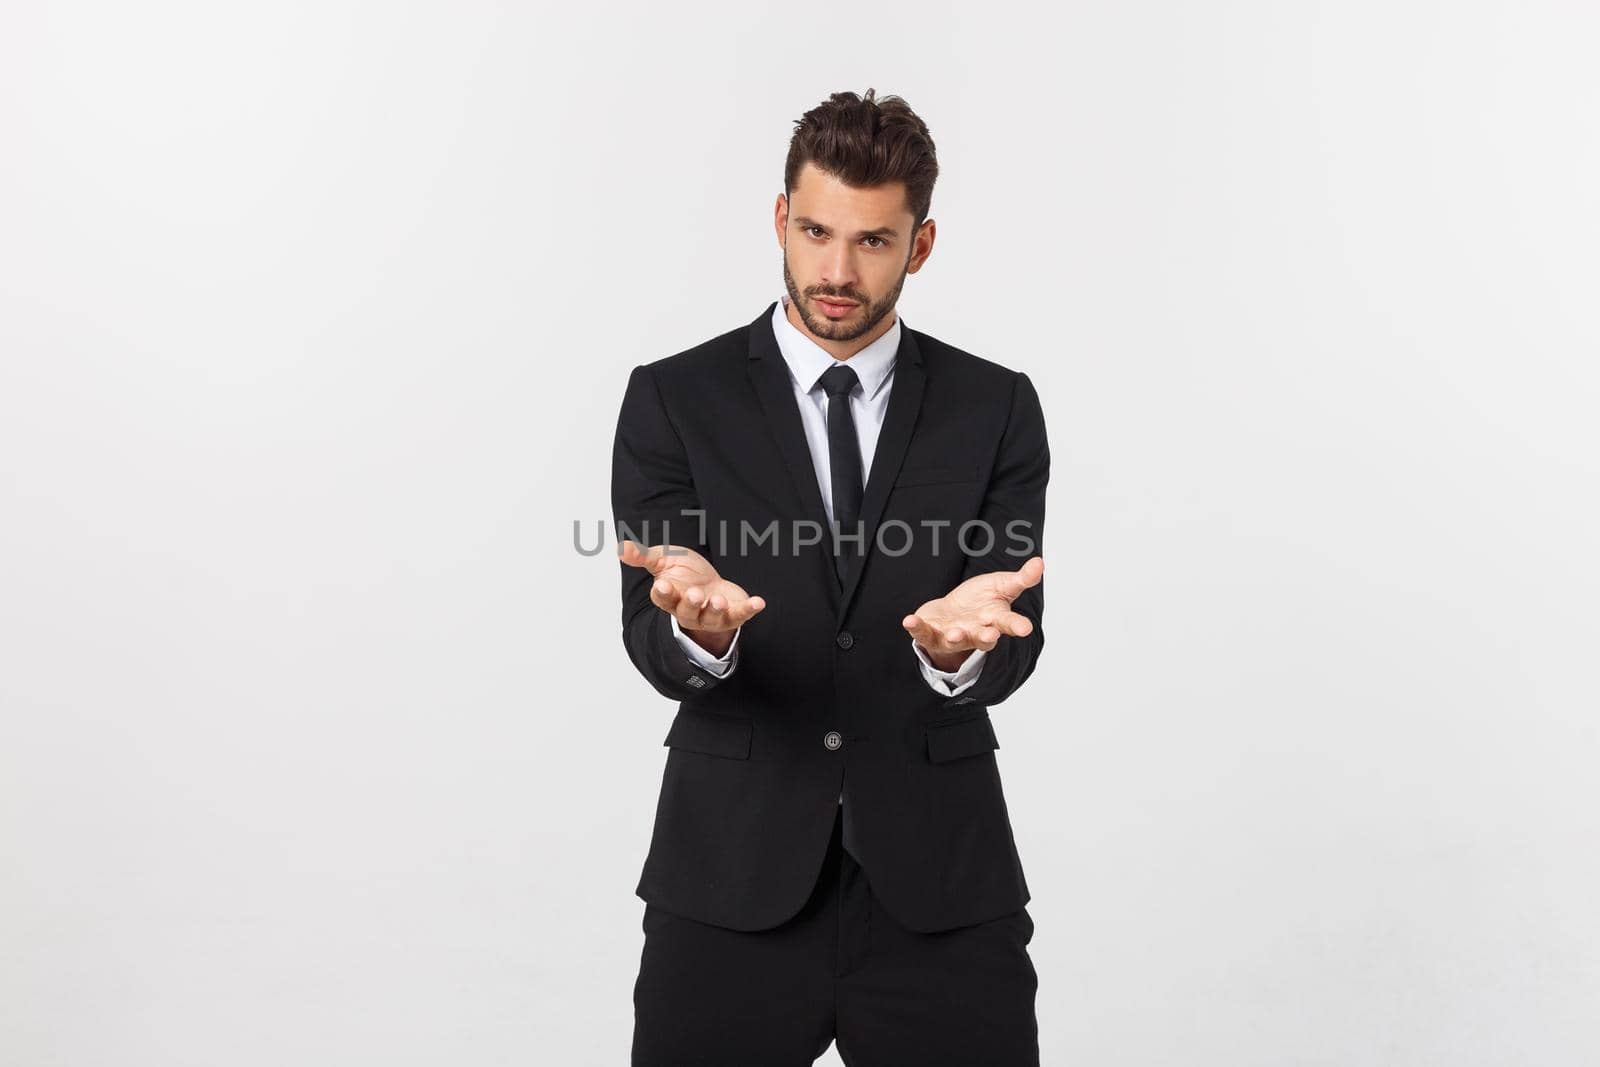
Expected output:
(780, 219)
(922, 246)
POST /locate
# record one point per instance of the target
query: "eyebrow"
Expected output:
(882, 231)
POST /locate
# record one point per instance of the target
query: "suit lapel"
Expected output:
(769, 375)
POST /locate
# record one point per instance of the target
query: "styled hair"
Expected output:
(863, 142)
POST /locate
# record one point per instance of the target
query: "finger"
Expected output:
(987, 637)
(1029, 574)
(919, 629)
(716, 614)
(1015, 624)
(691, 609)
(731, 617)
(939, 638)
(665, 595)
(743, 613)
(648, 557)
(637, 555)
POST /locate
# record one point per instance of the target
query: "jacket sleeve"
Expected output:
(1013, 507)
(653, 501)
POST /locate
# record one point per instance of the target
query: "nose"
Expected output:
(839, 268)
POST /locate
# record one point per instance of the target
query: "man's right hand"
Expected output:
(708, 607)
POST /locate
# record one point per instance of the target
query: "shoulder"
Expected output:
(948, 355)
(720, 353)
(965, 371)
(691, 373)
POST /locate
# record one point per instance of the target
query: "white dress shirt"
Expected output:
(869, 400)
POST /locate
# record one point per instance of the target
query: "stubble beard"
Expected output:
(829, 330)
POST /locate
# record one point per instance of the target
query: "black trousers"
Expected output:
(841, 969)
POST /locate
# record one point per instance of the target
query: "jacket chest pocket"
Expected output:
(710, 735)
(971, 736)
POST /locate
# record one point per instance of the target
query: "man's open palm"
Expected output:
(976, 613)
(689, 588)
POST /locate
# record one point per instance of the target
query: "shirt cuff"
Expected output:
(717, 665)
(950, 683)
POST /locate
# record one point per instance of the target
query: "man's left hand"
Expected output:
(975, 614)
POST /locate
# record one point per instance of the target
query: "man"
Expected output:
(828, 527)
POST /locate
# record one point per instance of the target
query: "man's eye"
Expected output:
(870, 237)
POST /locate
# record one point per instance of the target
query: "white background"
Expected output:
(318, 743)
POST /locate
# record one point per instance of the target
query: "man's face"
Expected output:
(846, 252)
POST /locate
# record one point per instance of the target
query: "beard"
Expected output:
(866, 315)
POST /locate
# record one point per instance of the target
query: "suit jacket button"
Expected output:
(832, 741)
(845, 640)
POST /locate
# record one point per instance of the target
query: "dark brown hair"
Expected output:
(865, 142)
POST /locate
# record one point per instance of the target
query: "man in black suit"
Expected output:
(829, 525)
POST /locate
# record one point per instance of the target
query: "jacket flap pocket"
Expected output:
(969, 737)
(959, 472)
(711, 735)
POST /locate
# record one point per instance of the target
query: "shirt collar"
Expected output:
(807, 359)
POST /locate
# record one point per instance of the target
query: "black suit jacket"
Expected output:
(709, 442)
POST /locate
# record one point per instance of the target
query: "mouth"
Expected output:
(836, 307)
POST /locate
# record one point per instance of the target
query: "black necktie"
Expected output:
(844, 459)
